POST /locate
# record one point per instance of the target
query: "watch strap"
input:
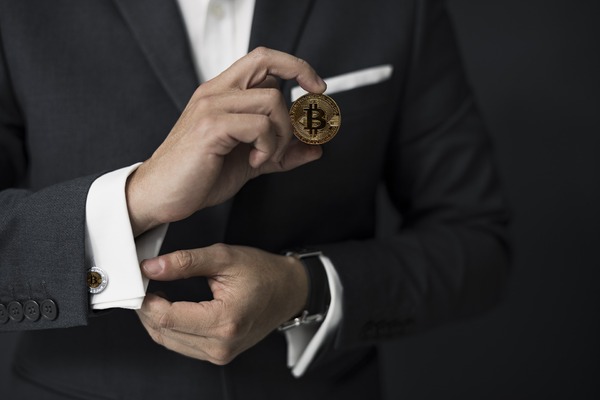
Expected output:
(319, 295)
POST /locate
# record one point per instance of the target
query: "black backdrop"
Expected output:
(534, 66)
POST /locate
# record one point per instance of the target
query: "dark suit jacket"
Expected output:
(90, 86)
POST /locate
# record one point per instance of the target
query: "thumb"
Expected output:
(180, 264)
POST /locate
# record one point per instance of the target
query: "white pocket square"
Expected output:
(351, 80)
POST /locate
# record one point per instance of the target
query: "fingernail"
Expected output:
(152, 266)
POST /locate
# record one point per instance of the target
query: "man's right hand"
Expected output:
(234, 128)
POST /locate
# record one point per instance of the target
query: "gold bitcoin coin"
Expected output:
(316, 118)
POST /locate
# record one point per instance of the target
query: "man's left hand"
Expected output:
(254, 292)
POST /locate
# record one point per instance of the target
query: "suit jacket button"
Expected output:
(32, 310)
(15, 311)
(49, 309)
(3, 314)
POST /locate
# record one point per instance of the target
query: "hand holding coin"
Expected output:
(316, 118)
(234, 128)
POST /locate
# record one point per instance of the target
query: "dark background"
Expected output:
(534, 66)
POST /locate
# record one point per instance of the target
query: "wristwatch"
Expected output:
(319, 296)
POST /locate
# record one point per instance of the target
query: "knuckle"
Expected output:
(263, 123)
(273, 95)
(199, 92)
(165, 322)
(184, 260)
(301, 61)
(198, 102)
(203, 102)
(222, 355)
(260, 52)
(230, 331)
(157, 337)
(151, 324)
(222, 252)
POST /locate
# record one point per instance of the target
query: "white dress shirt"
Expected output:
(219, 34)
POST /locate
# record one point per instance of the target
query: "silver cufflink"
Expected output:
(97, 280)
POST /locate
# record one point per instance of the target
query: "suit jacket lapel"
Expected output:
(277, 24)
(158, 27)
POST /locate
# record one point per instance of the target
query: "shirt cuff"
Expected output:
(111, 246)
(305, 341)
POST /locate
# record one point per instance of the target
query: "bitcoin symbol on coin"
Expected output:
(94, 279)
(316, 118)
(311, 117)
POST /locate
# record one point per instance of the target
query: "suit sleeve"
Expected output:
(41, 235)
(448, 259)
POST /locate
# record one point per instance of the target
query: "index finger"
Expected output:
(252, 69)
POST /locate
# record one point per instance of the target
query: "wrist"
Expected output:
(138, 205)
(300, 288)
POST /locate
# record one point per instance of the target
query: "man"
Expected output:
(89, 89)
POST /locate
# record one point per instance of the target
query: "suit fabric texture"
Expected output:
(91, 86)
